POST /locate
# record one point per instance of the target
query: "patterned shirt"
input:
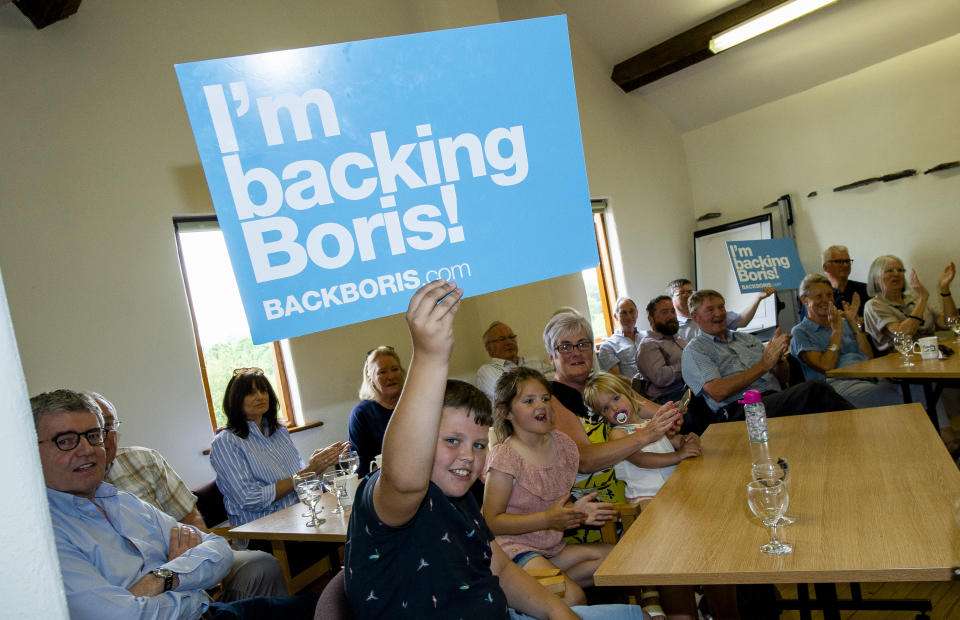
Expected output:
(146, 474)
(535, 488)
(707, 358)
(881, 312)
(247, 470)
(435, 566)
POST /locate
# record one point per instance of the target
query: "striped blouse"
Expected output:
(247, 470)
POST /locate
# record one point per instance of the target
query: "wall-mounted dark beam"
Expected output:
(683, 50)
(45, 12)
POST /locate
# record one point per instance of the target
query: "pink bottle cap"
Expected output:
(750, 397)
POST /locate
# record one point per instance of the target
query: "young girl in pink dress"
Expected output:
(530, 472)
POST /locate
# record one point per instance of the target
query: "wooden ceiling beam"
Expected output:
(685, 49)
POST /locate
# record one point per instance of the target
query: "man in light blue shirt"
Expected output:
(120, 557)
(721, 364)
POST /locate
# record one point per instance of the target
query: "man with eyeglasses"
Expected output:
(145, 473)
(501, 345)
(120, 557)
(836, 266)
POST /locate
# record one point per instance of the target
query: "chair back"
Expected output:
(332, 604)
(210, 503)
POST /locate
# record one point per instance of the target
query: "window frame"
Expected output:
(287, 412)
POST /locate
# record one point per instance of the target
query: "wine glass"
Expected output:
(331, 483)
(904, 344)
(311, 494)
(349, 461)
(770, 470)
(767, 500)
(299, 479)
(953, 323)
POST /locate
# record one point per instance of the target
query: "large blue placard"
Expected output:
(766, 262)
(345, 176)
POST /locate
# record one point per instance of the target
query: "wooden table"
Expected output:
(872, 489)
(287, 525)
(931, 374)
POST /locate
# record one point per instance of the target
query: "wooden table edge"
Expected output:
(879, 575)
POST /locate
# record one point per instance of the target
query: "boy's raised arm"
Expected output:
(410, 441)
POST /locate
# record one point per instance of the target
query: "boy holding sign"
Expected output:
(418, 545)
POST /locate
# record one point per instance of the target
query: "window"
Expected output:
(598, 282)
(220, 324)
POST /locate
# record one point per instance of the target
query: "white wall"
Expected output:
(99, 157)
(30, 587)
(901, 113)
(635, 158)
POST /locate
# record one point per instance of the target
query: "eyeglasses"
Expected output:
(566, 347)
(247, 371)
(111, 427)
(68, 440)
(841, 261)
(502, 339)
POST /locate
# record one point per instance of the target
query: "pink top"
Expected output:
(536, 489)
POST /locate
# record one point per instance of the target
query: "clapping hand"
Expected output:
(918, 286)
(776, 348)
(562, 518)
(947, 277)
(597, 513)
(851, 310)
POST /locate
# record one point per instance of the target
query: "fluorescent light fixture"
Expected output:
(768, 20)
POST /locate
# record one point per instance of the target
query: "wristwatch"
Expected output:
(167, 575)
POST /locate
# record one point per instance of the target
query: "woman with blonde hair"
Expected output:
(380, 388)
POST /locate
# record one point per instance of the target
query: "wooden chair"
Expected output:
(551, 579)
(626, 515)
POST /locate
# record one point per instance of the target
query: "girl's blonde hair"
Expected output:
(603, 383)
(508, 386)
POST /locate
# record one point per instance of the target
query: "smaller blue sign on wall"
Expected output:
(766, 262)
(346, 176)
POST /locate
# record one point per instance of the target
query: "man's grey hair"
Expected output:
(810, 280)
(701, 296)
(621, 300)
(62, 401)
(100, 399)
(489, 329)
(829, 252)
(675, 286)
(562, 325)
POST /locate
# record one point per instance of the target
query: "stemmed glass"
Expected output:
(299, 479)
(767, 500)
(770, 470)
(332, 484)
(310, 494)
(349, 461)
(904, 344)
(953, 323)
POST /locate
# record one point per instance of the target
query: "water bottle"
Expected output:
(756, 416)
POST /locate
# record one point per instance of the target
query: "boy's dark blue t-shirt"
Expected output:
(437, 565)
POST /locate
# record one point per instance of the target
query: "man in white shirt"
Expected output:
(501, 345)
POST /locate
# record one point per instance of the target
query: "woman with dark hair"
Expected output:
(380, 388)
(254, 457)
